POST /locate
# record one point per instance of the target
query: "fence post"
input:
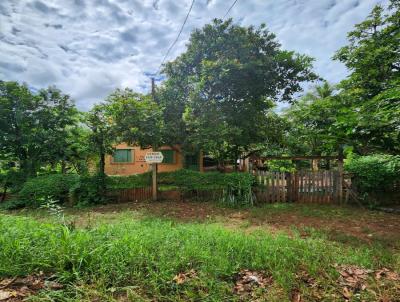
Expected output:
(341, 175)
(289, 187)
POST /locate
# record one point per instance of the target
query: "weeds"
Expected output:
(147, 254)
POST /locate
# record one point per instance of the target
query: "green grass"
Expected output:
(142, 257)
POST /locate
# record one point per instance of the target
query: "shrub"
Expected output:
(131, 181)
(374, 172)
(12, 204)
(236, 187)
(38, 190)
(281, 165)
(90, 189)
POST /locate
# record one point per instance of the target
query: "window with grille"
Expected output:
(169, 156)
(122, 156)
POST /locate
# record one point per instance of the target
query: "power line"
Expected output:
(177, 37)
(230, 8)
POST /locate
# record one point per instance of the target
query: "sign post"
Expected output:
(154, 158)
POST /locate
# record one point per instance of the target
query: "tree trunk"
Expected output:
(63, 167)
(236, 159)
(3, 196)
(102, 162)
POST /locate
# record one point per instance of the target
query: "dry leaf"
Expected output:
(183, 277)
(248, 281)
(346, 293)
(296, 297)
(4, 295)
(180, 278)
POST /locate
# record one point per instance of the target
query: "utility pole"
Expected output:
(154, 147)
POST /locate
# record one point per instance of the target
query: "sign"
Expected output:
(154, 157)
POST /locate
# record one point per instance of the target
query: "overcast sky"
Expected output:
(89, 47)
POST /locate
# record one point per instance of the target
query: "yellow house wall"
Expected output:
(138, 165)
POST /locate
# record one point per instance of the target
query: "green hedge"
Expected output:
(43, 188)
(374, 172)
(128, 182)
(235, 188)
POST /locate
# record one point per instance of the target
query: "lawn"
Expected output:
(171, 251)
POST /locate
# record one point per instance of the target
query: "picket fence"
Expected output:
(134, 194)
(302, 186)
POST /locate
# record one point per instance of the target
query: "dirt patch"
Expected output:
(184, 211)
(365, 226)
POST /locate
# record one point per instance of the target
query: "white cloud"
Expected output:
(90, 47)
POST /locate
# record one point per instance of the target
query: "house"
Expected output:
(128, 160)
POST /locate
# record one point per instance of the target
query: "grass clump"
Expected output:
(148, 253)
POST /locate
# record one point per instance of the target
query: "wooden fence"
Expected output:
(302, 186)
(135, 194)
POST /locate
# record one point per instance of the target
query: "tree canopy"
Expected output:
(227, 82)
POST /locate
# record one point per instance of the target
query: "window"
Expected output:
(169, 156)
(122, 156)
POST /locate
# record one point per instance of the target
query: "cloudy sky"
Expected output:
(89, 47)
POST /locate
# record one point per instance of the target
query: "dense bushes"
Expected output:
(90, 189)
(131, 181)
(236, 188)
(82, 190)
(231, 188)
(374, 172)
(47, 187)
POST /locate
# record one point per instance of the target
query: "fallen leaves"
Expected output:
(248, 282)
(18, 288)
(184, 277)
(385, 273)
(295, 296)
(354, 279)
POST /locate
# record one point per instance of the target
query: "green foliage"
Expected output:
(131, 181)
(101, 135)
(135, 118)
(226, 84)
(38, 190)
(371, 91)
(235, 188)
(364, 110)
(90, 189)
(13, 204)
(372, 53)
(145, 252)
(281, 165)
(374, 172)
(35, 128)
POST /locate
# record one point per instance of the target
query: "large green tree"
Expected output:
(136, 119)
(34, 128)
(372, 90)
(364, 111)
(59, 119)
(226, 83)
(101, 137)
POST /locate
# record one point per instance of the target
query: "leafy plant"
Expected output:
(90, 190)
(374, 172)
(131, 181)
(39, 190)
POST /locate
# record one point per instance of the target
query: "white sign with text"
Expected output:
(154, 157)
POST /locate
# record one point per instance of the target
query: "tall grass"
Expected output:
(150, 252)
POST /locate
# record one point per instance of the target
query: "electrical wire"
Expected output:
(177, 37)
(230, 8)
